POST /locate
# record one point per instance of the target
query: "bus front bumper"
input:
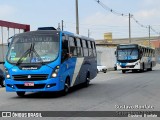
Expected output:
(52, 84)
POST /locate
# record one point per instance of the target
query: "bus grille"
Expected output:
(36, 86)
(32, 77)
(131, 66)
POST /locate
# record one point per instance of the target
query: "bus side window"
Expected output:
(79, 48)
(94, 49)
(141, 53)
(65, 49)
(85, 50)
(144, 52)
(72, 46)
(89, 48)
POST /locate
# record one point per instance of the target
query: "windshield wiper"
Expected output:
(24, 55)
(42, 62)
(131, 51)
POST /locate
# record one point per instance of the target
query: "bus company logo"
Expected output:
(29, 76)
(29, 68)
(6, 114)
(14, 70)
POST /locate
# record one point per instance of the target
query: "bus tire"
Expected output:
(2, 82)
(87, 81)
(150, 69)
(66, 86)
(20, 94)
(142, 70)
(123, 71)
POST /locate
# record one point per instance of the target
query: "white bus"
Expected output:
(135, 57)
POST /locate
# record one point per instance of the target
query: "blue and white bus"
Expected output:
(135, 57)
(49, 60)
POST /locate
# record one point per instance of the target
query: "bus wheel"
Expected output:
(123, 71)
(66, 87)
(142, 70)
(150, 69)
(2, 82)
(21, 94)
(86, 84)
(97, 71)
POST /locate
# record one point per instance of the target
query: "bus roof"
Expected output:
(65, 32)
(136, 45)
(49, 29)
(76, 35)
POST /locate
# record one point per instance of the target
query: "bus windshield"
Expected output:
(33, 48)
(127, 54)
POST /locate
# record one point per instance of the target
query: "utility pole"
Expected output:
(88, 33)
(129, 28)
(62, 25)
(2, 44)
(77, 18)
(59, 27)
(149, 36)
(8, 34)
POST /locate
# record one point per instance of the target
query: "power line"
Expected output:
(141, 25)
(111, 10)
(125, 15)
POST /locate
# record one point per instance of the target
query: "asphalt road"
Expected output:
(107, 92)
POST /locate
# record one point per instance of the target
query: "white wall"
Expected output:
(106, 56)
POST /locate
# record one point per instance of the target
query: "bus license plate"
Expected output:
(29, 84)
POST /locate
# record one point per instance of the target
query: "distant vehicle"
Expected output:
(101, 68)
(48, 60)
(135, 57)
(2, 78)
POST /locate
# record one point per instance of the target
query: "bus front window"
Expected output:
(33, 49)
(128, 54)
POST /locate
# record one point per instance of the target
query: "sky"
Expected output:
(92, 17)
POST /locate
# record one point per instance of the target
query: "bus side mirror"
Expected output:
(8, 44)
(115, 53)
(9, 40)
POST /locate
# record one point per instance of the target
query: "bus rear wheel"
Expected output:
(86, 84)
(150, 69)
(21, 94)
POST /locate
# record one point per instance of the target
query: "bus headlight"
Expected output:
(54, 75)
(7, 74)
(55, 72)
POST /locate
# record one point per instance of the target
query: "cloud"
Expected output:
(6, 11)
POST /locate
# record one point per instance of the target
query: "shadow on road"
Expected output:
(44, 95)
(136, 72)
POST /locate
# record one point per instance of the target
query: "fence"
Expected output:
(7, 30)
